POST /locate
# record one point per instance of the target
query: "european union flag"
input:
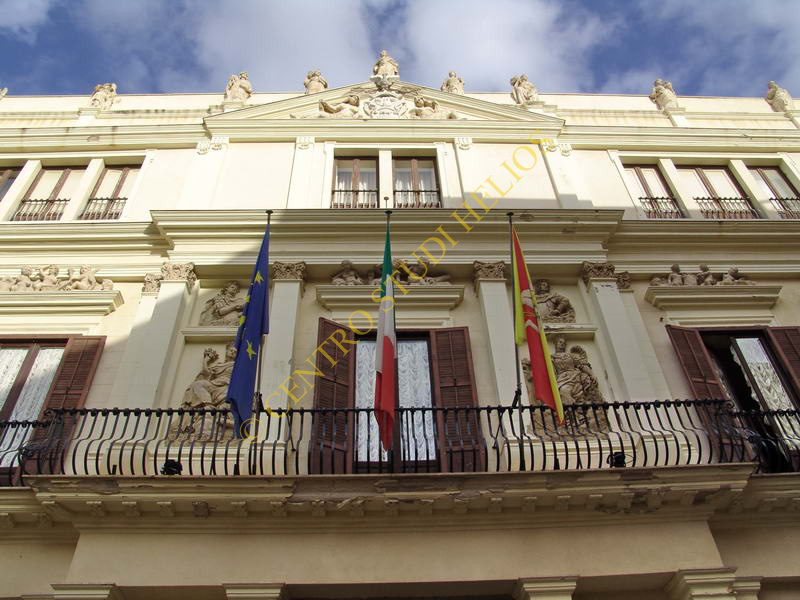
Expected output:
(253, 324)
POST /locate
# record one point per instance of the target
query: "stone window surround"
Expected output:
(92, 164)
(737, 164)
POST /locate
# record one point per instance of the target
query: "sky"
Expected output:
(705, 47)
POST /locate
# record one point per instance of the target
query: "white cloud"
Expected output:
(21, 18)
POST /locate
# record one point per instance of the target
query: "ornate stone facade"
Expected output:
(46, 279)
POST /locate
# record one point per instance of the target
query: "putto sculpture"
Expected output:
(778, 98)
(552, 307)
(239, 88)
(523, 92)
(663, 95)
(453, 84)
(224, 308)
(386, 65)
(46, 279)
(104, 95)
(347, 275)
(315, 82)
(704, 277)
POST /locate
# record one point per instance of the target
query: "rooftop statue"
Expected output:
(779, 99)
(663, 94)
(104, 95)
(523, 92)
(385, 65)
(3, 93)
(453, 84)
(315, 82)
(239, 88)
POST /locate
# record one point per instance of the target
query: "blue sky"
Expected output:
(708, 47)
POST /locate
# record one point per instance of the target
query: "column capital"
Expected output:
(545, 588)
(705, 584)
(86, 591)
(289, 270)
(488, 270)
(597, 270)
(255, 591)
(747, 588)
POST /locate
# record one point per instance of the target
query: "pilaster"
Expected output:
(545, 588)
(556, 159)
(14, 195)
(752, 190)
(88, 180)
(137, 346)
(301, 178)
(203, 174)
(705, 584)
(688, 203)
(385, 177)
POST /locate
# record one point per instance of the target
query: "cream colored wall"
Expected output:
(760, 549)
(599, 183)
(254, 176)
(162, 181)
(29, 567)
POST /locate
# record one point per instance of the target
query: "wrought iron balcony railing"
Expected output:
(727, 208)
(660, 208)
(40, 210)
(354, 199)
(103, 208)
(417, 199)
(125, 442)
(787, 208)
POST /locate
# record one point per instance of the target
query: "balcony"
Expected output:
(103, 208)
(138, 442)
(416, 199)
(660, 208)
(787, 208)
(369, 199)
(40, 210)
(354, 199)
(727, 208)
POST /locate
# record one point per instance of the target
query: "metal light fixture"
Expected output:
(616, 460)
(171, 467)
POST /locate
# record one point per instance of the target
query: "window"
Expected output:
(7, 178)
(758, 370)
(49, 194)
(110, 192)
(439, 429)
(355, 183)
(415, 184)
(36, 375)
(717, 193)
(652, 191)
(779, 190)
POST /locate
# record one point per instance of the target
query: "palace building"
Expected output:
(663, 237)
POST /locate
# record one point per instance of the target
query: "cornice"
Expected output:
(78, 237)
(97, 303)
(96, 137)
(668, 297)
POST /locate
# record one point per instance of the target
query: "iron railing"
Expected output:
(301, 441)
(40, 210)
(417, 199)
(787, 208)
(103, 208)
(354, 199)
(727, 208)
(660, 208)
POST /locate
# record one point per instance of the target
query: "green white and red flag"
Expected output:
(386, 352)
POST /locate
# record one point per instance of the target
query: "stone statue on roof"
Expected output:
(315, 82)
(386, 65)
(453, 84)
(523, 92)
(778, 98)
(239, 88)
(663, 95)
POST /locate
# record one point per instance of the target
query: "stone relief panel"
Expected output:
(552, 307)
(703, 277)
(47, 279)
(224, 309)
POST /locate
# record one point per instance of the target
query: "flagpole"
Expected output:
(257, 401)
(518, 392)
(395, 425)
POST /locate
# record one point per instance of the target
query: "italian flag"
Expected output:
(526, 326)
(386, 352)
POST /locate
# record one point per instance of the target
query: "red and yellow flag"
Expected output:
(526, 326)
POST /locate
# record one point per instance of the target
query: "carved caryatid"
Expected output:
(46, 279)
(704, 277)
(488, 270)
(347, 275)
(453, 84)
(208, 391)
(239, 88)
(778, 98)
(386, 65)
(289, 270)
(552, 307)
(104, 95)
(315, 82)
(224, 308)
(663, 95)
(523, 92)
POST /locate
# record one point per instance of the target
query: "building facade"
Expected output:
(663, 236)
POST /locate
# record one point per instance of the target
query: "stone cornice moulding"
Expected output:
(80, 237)
(712, 297)
(98, 303)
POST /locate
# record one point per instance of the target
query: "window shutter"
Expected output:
(725, 432)
(786, 342)
(461, 446)
(334, 389)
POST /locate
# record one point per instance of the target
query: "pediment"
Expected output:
(365, 102)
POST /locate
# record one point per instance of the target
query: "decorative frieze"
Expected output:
(289, 270)
(46, 279)
(415, 273)
(704, 277)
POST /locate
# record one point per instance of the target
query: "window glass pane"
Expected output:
(109, 180)
(779, 183)
(71, 184)
(427, 175)
(10, 363)
(722, 183)
(344, 175)
(654, 182)
(367, 175)
(31, 399)
(402, 176)
(766, 377)
(692, 183)
(414, 383)
(46, 183)
(761, 183)
(7, 183)
(130, 180)
(634, 183)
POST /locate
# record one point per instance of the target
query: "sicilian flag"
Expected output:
(386, 352)
(526, 326)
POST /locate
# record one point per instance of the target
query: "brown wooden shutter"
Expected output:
(725, 432)
(786, 343)
(334, 389)
(461, 446)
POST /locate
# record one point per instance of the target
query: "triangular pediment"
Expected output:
(402, 101)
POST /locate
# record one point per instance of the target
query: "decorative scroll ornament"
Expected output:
(704, 277)
(488, 270)
(104, 95)
(46, 279)
(289, 270)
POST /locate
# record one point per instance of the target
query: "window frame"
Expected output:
(776, 195)
(115, 203)
(652, 209)
(356, 180)
(415, 180)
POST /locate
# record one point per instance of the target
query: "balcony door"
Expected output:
(355, 183)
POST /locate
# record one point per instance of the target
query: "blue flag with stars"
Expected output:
(253, 324)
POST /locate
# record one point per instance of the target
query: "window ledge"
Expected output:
(68, 312)
(667, 297)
